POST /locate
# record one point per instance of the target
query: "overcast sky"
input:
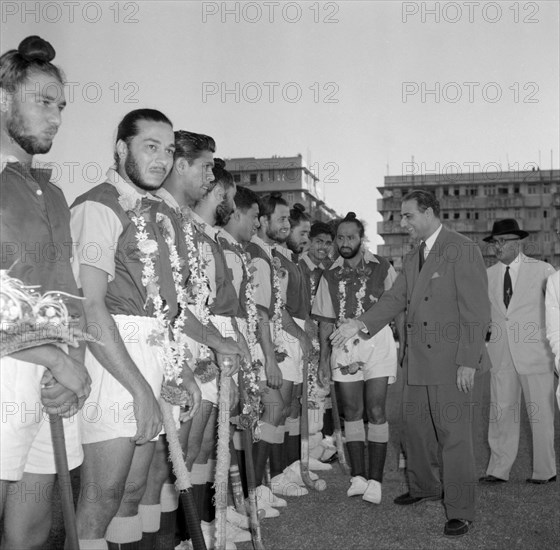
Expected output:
(358, 88)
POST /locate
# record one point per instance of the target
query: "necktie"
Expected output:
(421, 255)
(508, 288)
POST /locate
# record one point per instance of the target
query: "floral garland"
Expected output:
(250, 415)
(313, 391)
(278, 272)
(350, 366)
(199, 290)
(173, 353)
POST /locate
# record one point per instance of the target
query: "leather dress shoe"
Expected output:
(491, 479)
(406, 499)
(457, 527)
(541, 481)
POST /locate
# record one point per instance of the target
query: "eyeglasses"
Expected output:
(502, 242)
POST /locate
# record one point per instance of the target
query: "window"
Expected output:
(502, 190)
(261, 177)
(446, 192)
(446, 215)
(456, 215)
(253, 179)
(290, 198)
(516, 189)
(468, 215)
(476, 215)
(456, 192)
(532, 190)
(237, 178)
(545, 214)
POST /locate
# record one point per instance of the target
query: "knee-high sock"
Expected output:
(328, 423)
(293, 440)
(150, 516)
(355, 443)
(169, 500)
(93, 544)
(277, 456)
(261, 450)
(208, 510)
(198, 479)
(124, 533)
(378, 437)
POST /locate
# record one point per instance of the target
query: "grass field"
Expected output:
(515, 515)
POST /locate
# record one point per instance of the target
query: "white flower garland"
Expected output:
(278, 305)
(198, 279)
(173, 353)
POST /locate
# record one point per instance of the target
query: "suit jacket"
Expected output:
(446, 308)
(522, 327)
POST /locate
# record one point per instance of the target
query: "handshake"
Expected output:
(345, 331)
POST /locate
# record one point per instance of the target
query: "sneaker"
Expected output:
(264, 509)
(184, 545)
(263, 492)
(293, 472)
(358, 486)
(315, 464)
(284, 484)
(373, 492)
(237, 519)
(236, 534)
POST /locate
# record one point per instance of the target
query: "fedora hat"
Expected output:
(509, 226)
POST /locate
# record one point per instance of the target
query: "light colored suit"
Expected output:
(521, 360)
(447, 316)
(552, 306)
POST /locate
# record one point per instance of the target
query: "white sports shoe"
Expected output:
(209, 534)
(184, 545)
(358, 486)
(236, 534)
(373, 492)
(264, 493)
(269, 511)
(235, 518)
(287, 485)
(294, 471)
(315, 464)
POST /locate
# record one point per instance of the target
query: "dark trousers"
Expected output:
(441, 417)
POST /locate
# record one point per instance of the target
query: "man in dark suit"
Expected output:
(443, 290)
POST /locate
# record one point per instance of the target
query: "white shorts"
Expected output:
(25, 434)
(379, 355)
(109, 412)
(292, 365)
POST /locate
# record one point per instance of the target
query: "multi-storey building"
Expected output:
(470, 203)
(289, 175)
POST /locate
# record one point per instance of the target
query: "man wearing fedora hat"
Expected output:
(521, 357)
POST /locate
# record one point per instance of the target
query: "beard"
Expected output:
(223, 212)
(294, 246)
(274, 235)
(132, 170)
(349, 254)
(28, 142)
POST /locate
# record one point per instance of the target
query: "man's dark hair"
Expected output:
(33, 55)
(128, 127)
(221, 175)
(190, 146)
(351, 218)
(245, 198)
(298, 215)
(424, 199)
(270, 202)
(320, 228)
